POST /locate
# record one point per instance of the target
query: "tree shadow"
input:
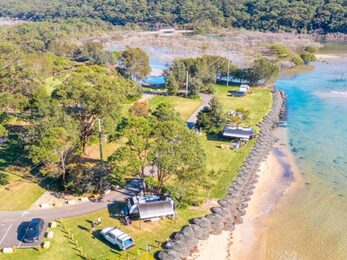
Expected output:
(216, 137)
(83, 228)
(11, 153)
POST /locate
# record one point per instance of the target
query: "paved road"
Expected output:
(205, 100)
(10, 221)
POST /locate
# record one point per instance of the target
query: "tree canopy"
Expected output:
(92, 93)
(212, 118)
(134, 64)
(53, 142)
(267, 15)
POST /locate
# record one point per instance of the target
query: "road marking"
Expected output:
(2, 240)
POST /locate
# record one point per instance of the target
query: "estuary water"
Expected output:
(311, 221)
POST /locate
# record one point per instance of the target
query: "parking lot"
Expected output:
(11, 234)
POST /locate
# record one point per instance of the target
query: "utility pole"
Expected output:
(187, 84)
(228, 74)
(100, 139)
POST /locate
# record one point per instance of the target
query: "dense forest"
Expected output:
(55, 91)
(322, 16)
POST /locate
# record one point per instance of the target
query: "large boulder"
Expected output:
(180, 246)
(168, 255)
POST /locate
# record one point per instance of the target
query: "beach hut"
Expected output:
(235, 132)
(150, 207)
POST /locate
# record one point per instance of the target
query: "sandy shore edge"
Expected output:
(277, 173)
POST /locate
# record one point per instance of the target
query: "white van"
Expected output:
(117, 238)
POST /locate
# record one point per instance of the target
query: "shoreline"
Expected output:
(234, 206)
(278, 173)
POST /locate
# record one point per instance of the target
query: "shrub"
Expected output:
(208, 89)
(311, 49)
(182, 195)
(296, 58)
(280, 50)
(308, 57)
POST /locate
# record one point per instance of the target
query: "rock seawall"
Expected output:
(233, 206)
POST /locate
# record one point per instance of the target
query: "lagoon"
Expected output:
(311, 223)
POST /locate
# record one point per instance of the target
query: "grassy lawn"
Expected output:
(108, 149)
(63, 247)
(19, 193)
(258, 103)
(227, 162)
(224, 162)
(184, 106)
(143, 233)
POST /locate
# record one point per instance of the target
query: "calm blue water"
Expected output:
(312, 224)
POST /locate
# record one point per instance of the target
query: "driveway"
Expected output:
(206, 98)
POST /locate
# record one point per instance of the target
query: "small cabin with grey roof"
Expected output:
(235, 132)
(150, 207)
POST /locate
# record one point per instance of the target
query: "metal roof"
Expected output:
(238, 132)
(156, 209)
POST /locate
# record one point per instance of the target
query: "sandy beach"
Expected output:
(324, 56)
(277, 173)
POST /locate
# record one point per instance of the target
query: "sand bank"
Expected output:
(323, 56)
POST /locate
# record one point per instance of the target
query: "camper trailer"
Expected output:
(149, 207)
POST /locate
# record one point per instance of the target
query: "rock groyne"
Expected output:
(233, 206)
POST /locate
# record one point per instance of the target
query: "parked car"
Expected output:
(117, 238)
(34, 230)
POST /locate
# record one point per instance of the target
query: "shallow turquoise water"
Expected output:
(312, 224)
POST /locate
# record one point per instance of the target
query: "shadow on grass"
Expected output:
(83, 228)
(216, 137)
(11, 154)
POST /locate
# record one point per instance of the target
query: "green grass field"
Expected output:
(227, 162)
(184, 106)
(258, 103)
(19, 194)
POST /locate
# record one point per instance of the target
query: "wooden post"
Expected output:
(187, 83)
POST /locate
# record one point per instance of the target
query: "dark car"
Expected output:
(34, 230)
